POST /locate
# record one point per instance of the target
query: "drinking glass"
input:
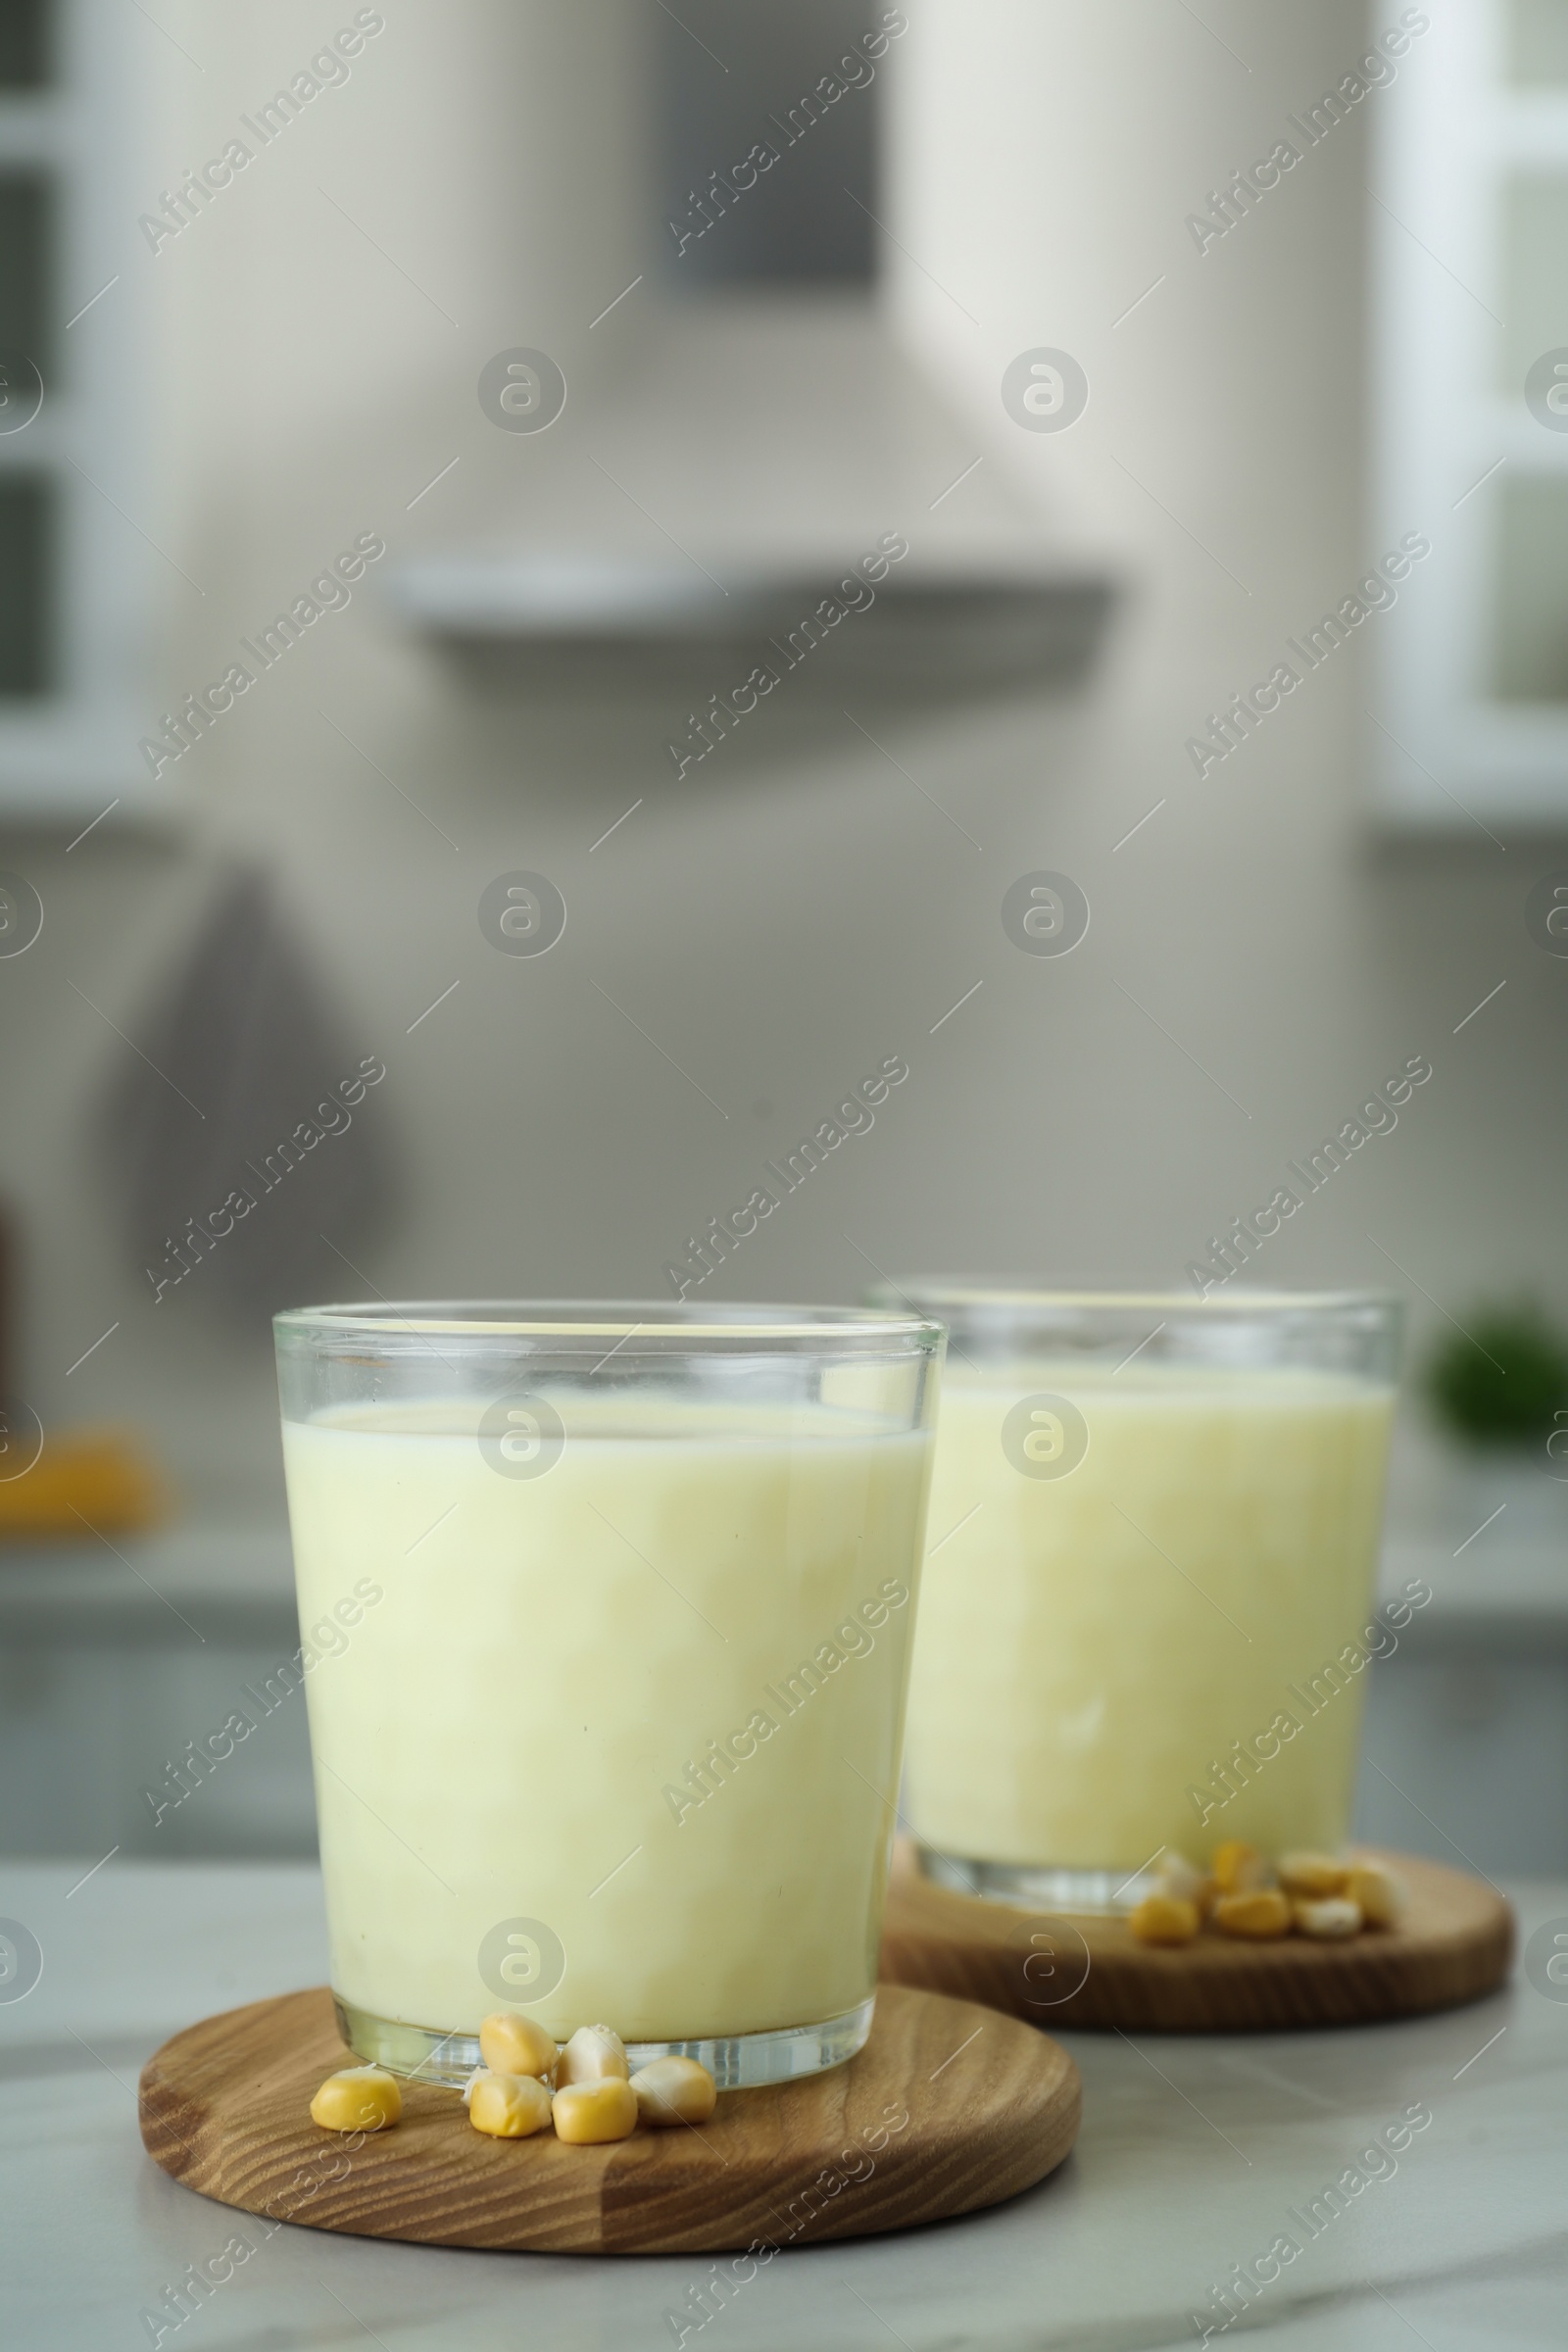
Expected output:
(1145, 1615)
(606, 1616)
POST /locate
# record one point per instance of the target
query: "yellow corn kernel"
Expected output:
(1260, 1914)
(1329, 1918)
(516, 2046)
(594, 2054)
(674, 2090)
(1380, 1894)
(1313, 1876)
(357, 2098)
(1164, 1919)
(1239, 1868)
(587, 2113)
(508, 2106)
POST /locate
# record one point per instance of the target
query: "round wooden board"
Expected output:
(1060, 1969)
(987, 2107)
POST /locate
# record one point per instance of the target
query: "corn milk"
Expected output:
(652, 1699)
(1091, 1644)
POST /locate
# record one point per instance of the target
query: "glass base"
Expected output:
(736, 2061)
(1027, 1888)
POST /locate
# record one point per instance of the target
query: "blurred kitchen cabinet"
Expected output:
(74, 290)
(1466, 1759)
(1466, 1749)
(84, 1733)
(104, 1679)
(1469, 228)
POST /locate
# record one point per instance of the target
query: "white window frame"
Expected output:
(69, 754)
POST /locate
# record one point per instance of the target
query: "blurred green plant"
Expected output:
(1503, 1383)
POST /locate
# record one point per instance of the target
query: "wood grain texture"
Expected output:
(1070, 1971)
(988, 2109)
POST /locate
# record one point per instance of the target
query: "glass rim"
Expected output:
(935, 1292)
(663, 1322)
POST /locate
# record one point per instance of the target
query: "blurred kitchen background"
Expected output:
(271, 269)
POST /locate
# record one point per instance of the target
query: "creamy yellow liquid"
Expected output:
(1089, 1646)
(507, 1732)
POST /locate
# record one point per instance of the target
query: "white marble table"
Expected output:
(1191, 2157)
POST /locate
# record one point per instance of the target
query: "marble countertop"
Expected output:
(1194, 2156)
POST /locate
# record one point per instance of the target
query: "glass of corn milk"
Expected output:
(608, 1614)
(1144, 1623)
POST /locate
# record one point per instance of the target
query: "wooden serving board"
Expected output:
(947, 2108)
(1082, 1969)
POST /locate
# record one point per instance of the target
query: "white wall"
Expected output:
(781, 922)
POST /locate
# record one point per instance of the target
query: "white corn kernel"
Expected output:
(516, 2046)
(674, 2090)
(508, 2106)
(357, 2098)
(1178, 1878)
(1329, 1918)
(588, 2112)
(594, 2054)
(1380, 1894)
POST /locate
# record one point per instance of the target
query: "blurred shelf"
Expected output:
(950, 626)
